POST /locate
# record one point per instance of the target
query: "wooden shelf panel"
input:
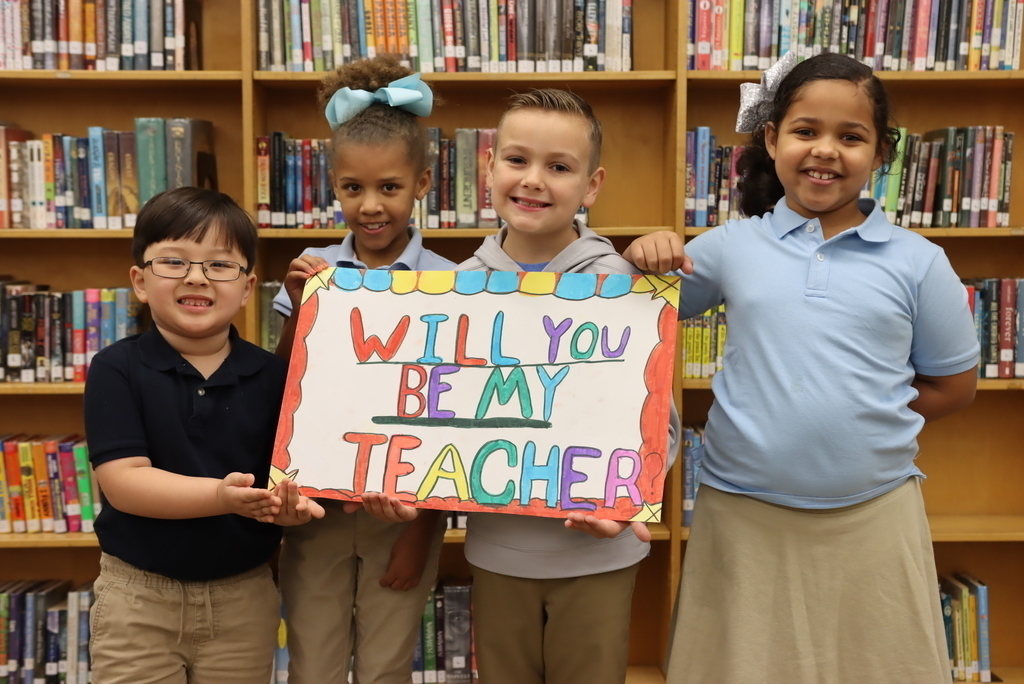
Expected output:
(150, 79)
(42, 387)
(1001, 384)
(617, 77)
(659, 531)
(64, 233)
(920, 76)
(977, 528)
(691, 231)
(448, 233)
(640, 674)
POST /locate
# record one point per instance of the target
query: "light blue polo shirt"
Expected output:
(413, 258)
(825, 336)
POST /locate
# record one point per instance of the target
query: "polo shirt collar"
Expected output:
(875, 228)
(406, 261)
(158, 354)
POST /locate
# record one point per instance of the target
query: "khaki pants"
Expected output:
(335, 607)
(572, 630)
(151, 629)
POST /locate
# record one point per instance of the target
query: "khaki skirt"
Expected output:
(777, 595)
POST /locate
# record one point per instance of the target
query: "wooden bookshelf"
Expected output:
(972, 459)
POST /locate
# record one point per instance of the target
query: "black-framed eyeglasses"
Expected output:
(213, 269)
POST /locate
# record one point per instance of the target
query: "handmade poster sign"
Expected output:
(530, 393)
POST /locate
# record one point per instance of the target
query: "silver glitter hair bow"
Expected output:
(756, 98)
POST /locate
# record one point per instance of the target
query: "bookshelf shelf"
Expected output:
(659, 531)
(43, 540)
(64, 233)
(977, 528)
(1000, 384)
(154, 79)
(479, 78)
(645, 675)
(920, 76)
(692, 231)
(447, 233)
(42, 388)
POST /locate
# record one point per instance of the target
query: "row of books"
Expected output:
(703, 343)
(47, 485)
(890, 35)
(101, 35)
(53, 336)
(996, 304)
(948, 177)
(99, 181)
(965, 616)
(44, 632)
(491, 36)
(444, 652)
(693, 440)
(294, 189)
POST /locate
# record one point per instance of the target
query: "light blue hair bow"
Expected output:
(756, 98)
(409, 93)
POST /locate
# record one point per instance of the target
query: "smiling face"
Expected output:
(539, 175)
(194, 307)
(377, 186)
(825, 148)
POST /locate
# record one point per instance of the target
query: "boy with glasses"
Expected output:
(180, 424)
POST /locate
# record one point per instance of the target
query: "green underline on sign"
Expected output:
(485, 367)
(462, 422)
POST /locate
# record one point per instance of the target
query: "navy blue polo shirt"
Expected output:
(143, 398)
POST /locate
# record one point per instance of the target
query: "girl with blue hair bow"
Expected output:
(354, 587)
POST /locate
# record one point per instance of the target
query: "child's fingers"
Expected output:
(641, 531)
(403, 512)
(239, 480)
(314, 508)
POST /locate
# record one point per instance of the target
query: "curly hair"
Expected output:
(759, 185)
(379, 123)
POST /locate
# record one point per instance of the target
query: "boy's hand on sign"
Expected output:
(388, 508)
(296, 509)
(605, 529)
(299, 271)
(659, 252)
(236, 493)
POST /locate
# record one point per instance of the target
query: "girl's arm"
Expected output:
(299, 271)
(410, 551)
(941, 395)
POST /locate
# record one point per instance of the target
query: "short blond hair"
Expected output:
(560, 102)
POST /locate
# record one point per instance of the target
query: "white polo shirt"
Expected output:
(824, 340)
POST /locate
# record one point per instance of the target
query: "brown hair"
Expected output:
(379, 123)
(188, 214)
(562, 102)
(759, 185)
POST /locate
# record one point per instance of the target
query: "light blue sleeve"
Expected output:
(702, 289)
(944, 341)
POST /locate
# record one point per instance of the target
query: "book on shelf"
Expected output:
(100, 181)
(488, 36)
(944, 178)
(44, 631)
(52, 336)
(101, 35)
(889, 35)
(46, 484)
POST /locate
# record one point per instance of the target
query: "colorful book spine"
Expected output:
(33, 518)
(93, 319)
(85, 491)
(97, 178)
(69, 479)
